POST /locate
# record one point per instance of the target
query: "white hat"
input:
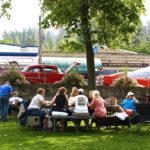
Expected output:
(130, 94)
(81, 91)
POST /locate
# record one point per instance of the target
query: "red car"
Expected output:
(42, 73)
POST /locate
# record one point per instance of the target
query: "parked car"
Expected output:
(43, 73)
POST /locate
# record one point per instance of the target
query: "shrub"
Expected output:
(71, 79)
(125, 81)
(14, 77)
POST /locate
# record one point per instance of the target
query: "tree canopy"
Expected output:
(108, 22)
(5, 6)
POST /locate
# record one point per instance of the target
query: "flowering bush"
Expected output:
(72, 79)
(125, 81)
(14, 77)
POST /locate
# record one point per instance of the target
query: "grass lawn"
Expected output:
(15, 137)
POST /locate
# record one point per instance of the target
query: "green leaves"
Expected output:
(71, 80)
(115, 21)
(107, 22)
(5, 7)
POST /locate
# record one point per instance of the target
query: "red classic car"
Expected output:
(43, 73)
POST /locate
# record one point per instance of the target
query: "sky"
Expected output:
(25, 14)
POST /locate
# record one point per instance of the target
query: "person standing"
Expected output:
(5, 93)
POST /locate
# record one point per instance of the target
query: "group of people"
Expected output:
(76, 104)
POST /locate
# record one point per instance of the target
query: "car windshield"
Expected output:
(59, 71)
(24, 69)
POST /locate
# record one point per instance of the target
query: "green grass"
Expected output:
(15, 137)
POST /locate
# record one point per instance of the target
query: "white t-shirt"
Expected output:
(81, 104)
(35, 102)
(71, 100)
(14, 100)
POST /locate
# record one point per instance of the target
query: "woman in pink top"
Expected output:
(97, 105)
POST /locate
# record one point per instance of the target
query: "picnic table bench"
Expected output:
(103, 121)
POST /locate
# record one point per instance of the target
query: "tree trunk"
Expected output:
(85, 24)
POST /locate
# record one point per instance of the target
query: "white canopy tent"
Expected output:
(140, 73)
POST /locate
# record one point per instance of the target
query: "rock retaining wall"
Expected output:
(29, 91)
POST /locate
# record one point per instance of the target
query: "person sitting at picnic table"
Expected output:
(59, 105)
(90, 100)
(128, 103)
(74, 92)
(35, 105)
(81, 109)
(112, 105)
(97, 105)
(13, 102)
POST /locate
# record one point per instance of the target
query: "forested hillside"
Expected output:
(61, 42)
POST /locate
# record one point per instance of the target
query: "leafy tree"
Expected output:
(5, 6)
(72, 43)
(141, 42)
(116, 21)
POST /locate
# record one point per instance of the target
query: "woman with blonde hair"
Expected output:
(97, 105)
(74, 92)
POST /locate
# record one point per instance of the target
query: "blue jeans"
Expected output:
(37, 112)
(4, 105)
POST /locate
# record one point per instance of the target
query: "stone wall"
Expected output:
(29, 91)
(141, 93)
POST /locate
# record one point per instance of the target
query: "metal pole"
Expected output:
(40, 38)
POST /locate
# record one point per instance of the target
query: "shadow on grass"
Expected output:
(15, 137)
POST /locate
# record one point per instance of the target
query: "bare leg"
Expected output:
(62, 125)
(86, 121)
(44, 123)
(77, 124)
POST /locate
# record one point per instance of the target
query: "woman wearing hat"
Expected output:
(128, 104)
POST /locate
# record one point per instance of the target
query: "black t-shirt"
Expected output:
(61, 103)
